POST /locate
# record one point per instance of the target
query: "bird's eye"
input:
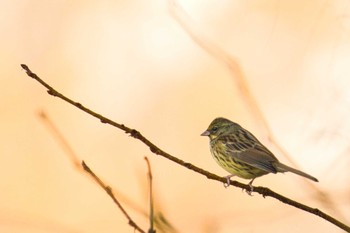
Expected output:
(214, 129)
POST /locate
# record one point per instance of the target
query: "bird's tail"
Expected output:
(284, 168)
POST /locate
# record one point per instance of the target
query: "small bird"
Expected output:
(240, 153)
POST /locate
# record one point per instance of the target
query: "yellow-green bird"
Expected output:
(240, 153)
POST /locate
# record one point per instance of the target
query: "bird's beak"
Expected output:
(205, 133)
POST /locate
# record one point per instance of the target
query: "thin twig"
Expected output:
(76, 161)
(110, 193)
(151, 212)
(156, 150)
(160, 221)
(62, 141)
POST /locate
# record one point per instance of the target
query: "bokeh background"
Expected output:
(132, 62)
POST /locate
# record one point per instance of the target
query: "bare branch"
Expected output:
(265, 192)
(163, 225)
(151, 212)
(76, 161)
(110, 193)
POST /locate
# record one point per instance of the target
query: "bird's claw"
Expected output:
(228, 181)
(251, 188)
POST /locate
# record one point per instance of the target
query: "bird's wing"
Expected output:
(255, 155)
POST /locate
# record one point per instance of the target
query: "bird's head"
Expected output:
(218, 127)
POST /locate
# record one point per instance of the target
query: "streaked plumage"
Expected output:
(240, 153)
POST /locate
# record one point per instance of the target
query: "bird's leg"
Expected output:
(251, 187)
(228, 181)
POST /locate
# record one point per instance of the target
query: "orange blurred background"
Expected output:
(132, 62)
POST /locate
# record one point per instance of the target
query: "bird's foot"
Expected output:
(228, 181)
(251, 188)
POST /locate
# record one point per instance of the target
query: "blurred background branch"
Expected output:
(160, 220)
